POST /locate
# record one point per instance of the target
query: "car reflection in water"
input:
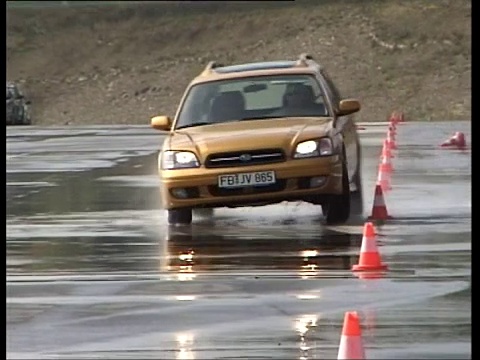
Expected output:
(190, 252)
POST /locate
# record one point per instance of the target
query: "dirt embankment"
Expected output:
(121, 64)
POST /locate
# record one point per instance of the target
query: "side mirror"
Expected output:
(348, 106)
(161, 123)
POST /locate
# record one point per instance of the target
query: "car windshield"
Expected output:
(260, 97)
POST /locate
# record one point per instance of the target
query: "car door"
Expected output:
(345, 125)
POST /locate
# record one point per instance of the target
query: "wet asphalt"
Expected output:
(94, 271)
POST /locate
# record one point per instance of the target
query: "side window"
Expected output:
(317, 91)
(336, 96)
(328, 91)
(197, 104)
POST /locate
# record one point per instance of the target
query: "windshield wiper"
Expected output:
(261, 117)
(282, 117)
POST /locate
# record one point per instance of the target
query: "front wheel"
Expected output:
(19, 116)
(180, 216)
(337, 210)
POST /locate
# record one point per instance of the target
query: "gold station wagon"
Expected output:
(257, 134)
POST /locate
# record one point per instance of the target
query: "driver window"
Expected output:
(197, 104)
(318, 93)
(335, 94)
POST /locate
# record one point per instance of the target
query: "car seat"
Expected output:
(308, 98)
(229, 105)
(305, 91)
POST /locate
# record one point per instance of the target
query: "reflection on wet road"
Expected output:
(94, 271)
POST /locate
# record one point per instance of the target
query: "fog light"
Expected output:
(318, 181)
(180, 193)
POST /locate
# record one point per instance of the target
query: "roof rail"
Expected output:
(210, 67)
(303, 60)
(305, 56)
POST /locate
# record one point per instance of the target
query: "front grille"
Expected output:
(245, 158)
(278, 186)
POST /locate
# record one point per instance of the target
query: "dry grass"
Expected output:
(124, 63)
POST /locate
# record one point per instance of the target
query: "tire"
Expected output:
(180, 216)
(337, 210)
(20, 116)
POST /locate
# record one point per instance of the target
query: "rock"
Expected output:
(144, 90)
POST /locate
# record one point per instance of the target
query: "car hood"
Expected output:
(248, 135)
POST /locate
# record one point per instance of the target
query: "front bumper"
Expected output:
(292, 183)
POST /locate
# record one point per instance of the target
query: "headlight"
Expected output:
(178, 160)
(312, 148)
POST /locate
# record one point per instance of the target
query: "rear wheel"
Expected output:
(337, 210)
(180, 216)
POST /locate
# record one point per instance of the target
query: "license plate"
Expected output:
(246, 179)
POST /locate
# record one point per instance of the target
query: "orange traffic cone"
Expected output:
(386, 165)
(369, 229)
(351, 344)
(369, 256)
(391, 141)
(386, 150)
(393, 118)
(456, 141)
(383, 179)
(369, 275)
(397, 117)
(379, 209)
(392, 129)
